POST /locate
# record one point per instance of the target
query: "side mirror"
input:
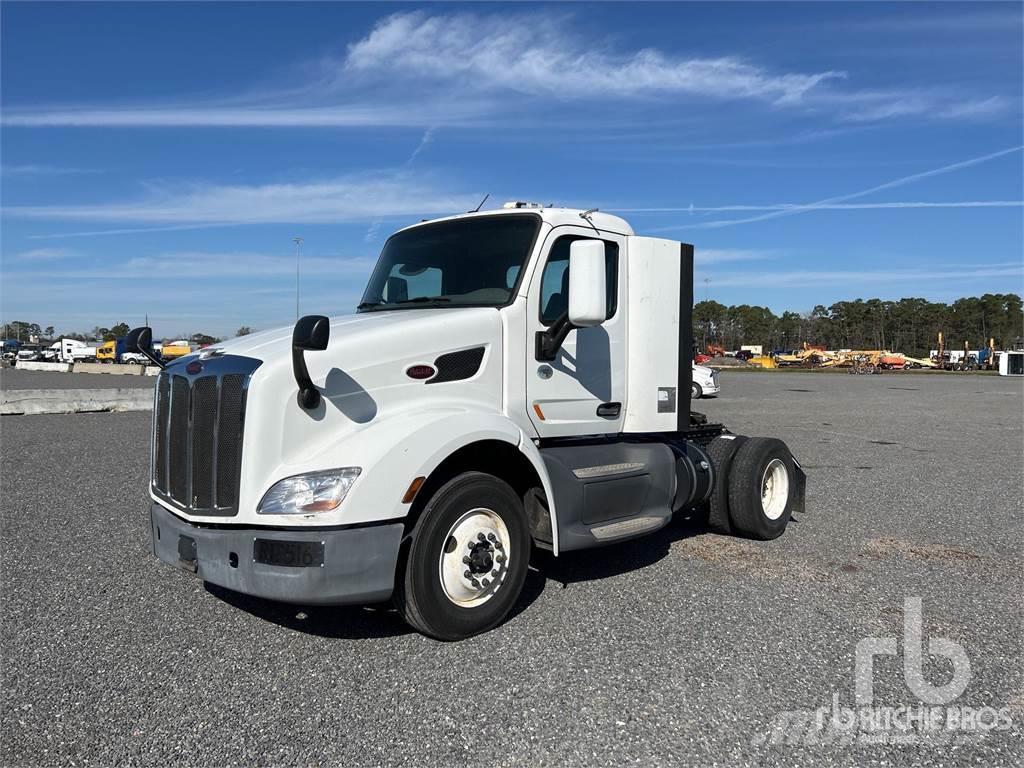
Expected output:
(141, 340)
(587, 295)
(311, 334)
(138, 339)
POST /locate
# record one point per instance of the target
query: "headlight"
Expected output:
(308, 493)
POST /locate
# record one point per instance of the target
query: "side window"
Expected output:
(554, 283)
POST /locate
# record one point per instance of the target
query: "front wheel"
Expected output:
(468, 559)
(695, 391)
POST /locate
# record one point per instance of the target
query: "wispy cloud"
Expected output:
(790, 210)
(846, 279)
(540, 56)
(795, 207)
(43, 255)
(357, 197)
(708, 256)
(188, 266)
(42, 170)
(505, 65)
(254, 116)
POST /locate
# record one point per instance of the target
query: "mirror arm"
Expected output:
(309, 395)
(153, 359)
(551, 340)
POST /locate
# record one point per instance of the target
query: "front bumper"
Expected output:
(358, 563)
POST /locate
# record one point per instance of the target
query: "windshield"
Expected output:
(466, 262)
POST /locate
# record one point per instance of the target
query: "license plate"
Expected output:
(291, 554)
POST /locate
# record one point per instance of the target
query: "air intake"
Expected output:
(455, 366)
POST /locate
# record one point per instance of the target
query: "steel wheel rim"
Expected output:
(463, 543)
(774, 489)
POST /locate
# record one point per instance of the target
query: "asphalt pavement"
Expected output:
(681, 648)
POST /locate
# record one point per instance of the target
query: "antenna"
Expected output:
(481, 203)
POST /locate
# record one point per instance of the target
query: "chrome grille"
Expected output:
(197, 434)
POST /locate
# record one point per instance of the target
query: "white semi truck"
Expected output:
(512, 379)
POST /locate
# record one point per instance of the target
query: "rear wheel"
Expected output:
(761, 485)
(468, 558)
(721, 451)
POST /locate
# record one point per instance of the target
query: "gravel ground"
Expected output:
(680, 648)
(12, 378)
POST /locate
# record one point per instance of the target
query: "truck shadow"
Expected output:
(615, 559)
(342, 622)
(381, 621)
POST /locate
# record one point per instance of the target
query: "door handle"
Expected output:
(609, 410)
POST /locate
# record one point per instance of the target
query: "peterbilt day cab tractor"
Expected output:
(512, 379)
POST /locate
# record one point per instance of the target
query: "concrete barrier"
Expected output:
(114, 368)
(30, 402)
(31, 365)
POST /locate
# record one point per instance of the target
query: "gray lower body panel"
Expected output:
(358, 563)
(610, 491)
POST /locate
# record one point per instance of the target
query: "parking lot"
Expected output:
(680, 648)
(12, 378)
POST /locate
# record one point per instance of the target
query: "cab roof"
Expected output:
(553, 215)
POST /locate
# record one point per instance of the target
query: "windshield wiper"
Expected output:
(420, 299)
(368, 304)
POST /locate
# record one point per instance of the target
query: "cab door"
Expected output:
(581, 391)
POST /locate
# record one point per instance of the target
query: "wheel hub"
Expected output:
(774, 489)
(481, 557)
(475, 557)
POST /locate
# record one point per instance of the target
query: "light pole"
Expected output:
(298, 249)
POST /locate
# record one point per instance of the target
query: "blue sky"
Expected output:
(158, 158)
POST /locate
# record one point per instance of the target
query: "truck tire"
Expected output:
(721, 451)
(695, 391)
(761, 481)
(467, 560)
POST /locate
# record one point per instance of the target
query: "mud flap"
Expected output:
(799, 492)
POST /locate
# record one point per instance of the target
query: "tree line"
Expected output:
(20, 330)
(910, 325)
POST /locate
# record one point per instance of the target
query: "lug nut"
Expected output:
(466, 560)
(476, 583)
(490, 536)
(497, 545)
(494, 573)
(500, 558)
(486, 583)
(467, 574)
(481, 537)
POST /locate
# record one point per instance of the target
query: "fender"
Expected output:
(393, 451)
(432, 439)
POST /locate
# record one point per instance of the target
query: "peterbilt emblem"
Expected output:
(193, 368)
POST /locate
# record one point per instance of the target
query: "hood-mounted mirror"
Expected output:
(141, 340)
(311, 334)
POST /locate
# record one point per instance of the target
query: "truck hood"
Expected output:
(362, 377)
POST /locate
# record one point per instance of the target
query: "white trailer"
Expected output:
(1011, 362)
(73, 351)
(511, 379)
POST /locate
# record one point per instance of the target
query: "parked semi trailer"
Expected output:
(511, 379)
